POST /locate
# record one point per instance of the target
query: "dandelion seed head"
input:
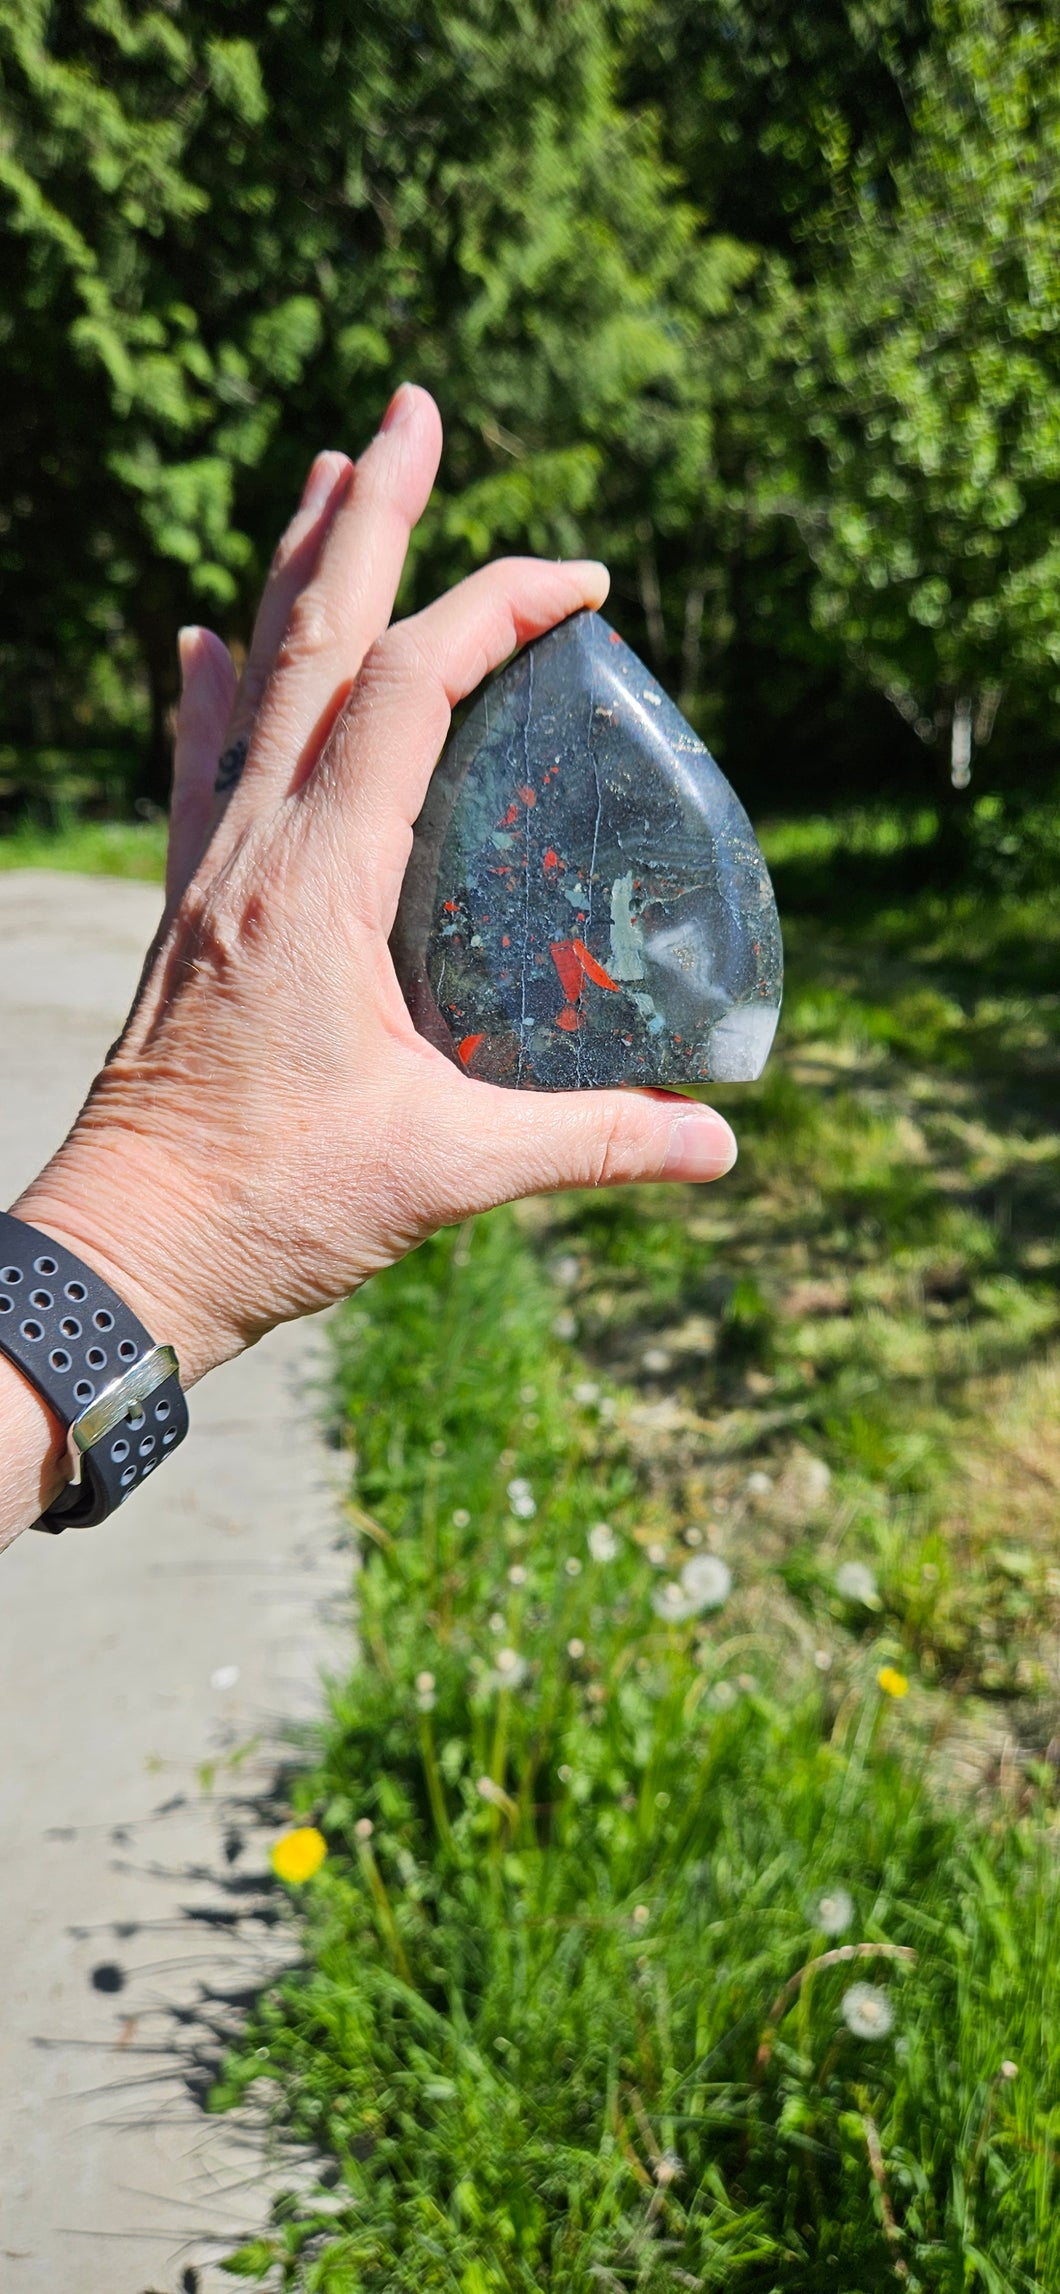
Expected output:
(496, 1622)
(823, 1660)
(565, 1325)
(657, 1555)
(517, 1574)
(572, 1565)
(1008, 2069)
(564, 1773)
(641, 1915)
(364, 1828)
(586, 1392)
(758, 1484)
(575, 1649)
(857, 1582)
(424, 1684)
(833, 1912)
(438, 1449)
(461, 1517)
(693, 1536)
(510, 1670)
(656, 1361)
(867, 2011)
(723, 1695)
(602, 1542)
(671, 1603)
(565, 1271)
(528, 1394)
(707, 1581)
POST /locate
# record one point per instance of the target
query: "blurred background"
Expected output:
(759, 300)
(756, 299)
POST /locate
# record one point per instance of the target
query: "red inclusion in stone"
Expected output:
(568, 1019)
(466, 1050)
(565, 959)
(592, 970)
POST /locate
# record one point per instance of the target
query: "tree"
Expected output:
(930, 382)
(108, 385)
(225, 253)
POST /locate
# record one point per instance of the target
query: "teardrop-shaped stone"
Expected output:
(586, 902)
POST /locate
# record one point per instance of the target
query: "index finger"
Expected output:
(347, 604)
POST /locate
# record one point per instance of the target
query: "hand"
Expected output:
(270, 1130)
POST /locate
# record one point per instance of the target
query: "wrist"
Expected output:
(33, 1462)
(132, 1215)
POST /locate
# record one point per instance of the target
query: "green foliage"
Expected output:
(222, 252)
(931, 386)
(753, 300)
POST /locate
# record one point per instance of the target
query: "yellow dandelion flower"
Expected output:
(892, 1682)
(297, 1855)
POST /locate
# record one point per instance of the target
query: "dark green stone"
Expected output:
(586, 902)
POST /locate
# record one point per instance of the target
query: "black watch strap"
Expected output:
(117, 1393)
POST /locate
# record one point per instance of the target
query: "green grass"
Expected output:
(558, 2023)
(89, 848)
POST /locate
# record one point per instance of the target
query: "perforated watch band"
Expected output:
(117, 1393)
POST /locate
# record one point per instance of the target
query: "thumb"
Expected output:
(503, 1144)
(207, 692)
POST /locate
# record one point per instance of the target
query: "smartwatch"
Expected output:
(115, 1391)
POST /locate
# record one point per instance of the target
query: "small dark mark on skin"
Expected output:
(230, 767)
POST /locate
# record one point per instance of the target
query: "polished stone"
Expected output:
(586, 902)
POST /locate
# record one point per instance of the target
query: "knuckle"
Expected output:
(613, 1153)
(284, 554)
(402, 657)
(313, 629)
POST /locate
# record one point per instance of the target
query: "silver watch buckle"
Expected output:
(118, 1401)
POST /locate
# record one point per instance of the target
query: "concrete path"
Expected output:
(151, 1675)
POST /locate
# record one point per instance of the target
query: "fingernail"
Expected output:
(320, 484)
(399, 409)
(595, 578)
(187, 640)
(701, 1146)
